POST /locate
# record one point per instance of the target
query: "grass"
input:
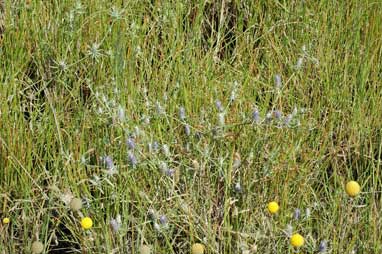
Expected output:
(79, 79)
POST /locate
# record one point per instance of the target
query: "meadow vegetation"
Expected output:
(169, 126)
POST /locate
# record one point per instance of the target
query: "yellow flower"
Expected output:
(197, 248)
(297, 240)
(86, 223)
(273, 207)
(6, 220)
(352, 188)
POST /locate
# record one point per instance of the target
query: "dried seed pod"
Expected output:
(76, 204)
(37, 247)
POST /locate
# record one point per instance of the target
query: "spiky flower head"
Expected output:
(323, 247)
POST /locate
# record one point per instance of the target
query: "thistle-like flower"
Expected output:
(116, 223)
(163, 219)
(297, 214)
(221, 119)
(233, 95)
(121, 113)
(159, 108)
(108, 161)
(289, 230)
(300, 62)
(187, 129)
(278, 82)
(256, 116)
(61, 65)
(323, 247)
(182, 113)
(268, 117)
(277, 114)
(130, 143)
(94, 51)
(236, 161)
(219, 105)
(238, 188)
(132, 159)
(307, 213)
(166, 150)
(115, 13)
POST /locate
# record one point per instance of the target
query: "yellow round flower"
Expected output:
(86, 223)
(6, 220)
(197, 248)
(297, 240)
(273, 207)
(352, 188)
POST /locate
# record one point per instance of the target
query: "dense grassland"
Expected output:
(177, 122)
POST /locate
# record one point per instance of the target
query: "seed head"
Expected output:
(145, 249)
(76, 204)
(37, 247)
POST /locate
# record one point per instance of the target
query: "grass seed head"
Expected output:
(76, 204)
